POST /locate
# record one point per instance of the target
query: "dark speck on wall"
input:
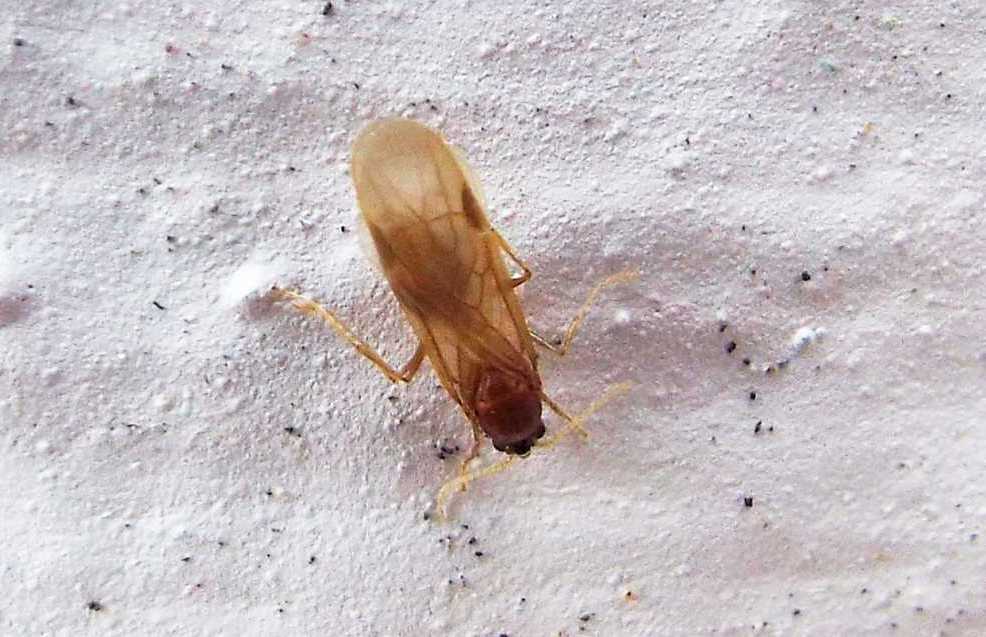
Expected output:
(806, 276)
(94, 606)
(748, 502)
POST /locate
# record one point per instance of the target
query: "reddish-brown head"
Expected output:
(509, 411)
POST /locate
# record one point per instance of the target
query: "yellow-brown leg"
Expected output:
(460, 482)
(508, 249)
(573, 327)
(575, 423)
(477, 441)
(309, 307)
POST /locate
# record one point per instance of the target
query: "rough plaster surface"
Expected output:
(215, 465)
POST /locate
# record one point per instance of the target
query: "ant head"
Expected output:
(509, 411)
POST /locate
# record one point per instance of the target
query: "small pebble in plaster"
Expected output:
(251, 279)
(630, 597)
(748, 502)
(94, 606)
(756, 427)
(396, 165)
(805, 276)
(753, 395)
(164, 403)
(327, 8)
(730, 347)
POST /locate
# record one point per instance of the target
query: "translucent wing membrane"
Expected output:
(441, 257)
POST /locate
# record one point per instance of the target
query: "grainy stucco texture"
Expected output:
(799, 183)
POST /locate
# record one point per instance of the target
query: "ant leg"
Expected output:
(477, 441)
(459, 483)
(575, 423)
(309, 307)
(573, 327)
(508, 249)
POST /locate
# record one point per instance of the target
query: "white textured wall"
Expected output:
(191, 154)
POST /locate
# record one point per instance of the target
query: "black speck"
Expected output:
(864, 591)
(730, 347)
(327, 8)
(426, 516)
(221, 543)
(523, 600)
(806, 276)
(268, 493)
(170, 238)
(756, 427)
(226, 67)
(280, 610)
(343, 229)
(311, 560)
(814, 109)
(292, 431)
(746, 361)
(478, 554)
(356, 84)
(722, 327)
(948, 96)
(186, 559)
(71, 101)
(748, 501)
(158, 305)
(22, 42)
(94, 606)
(941, 25)
(796, 612)
(586, 617)
(472, 540)
(753, 395)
